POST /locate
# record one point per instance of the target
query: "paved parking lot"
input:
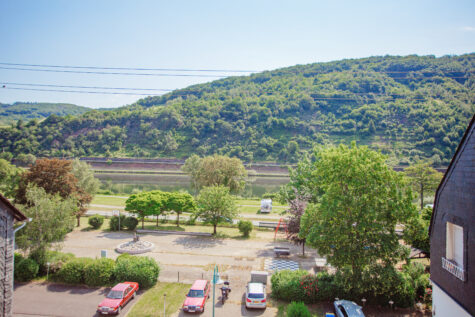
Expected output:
(53, 300)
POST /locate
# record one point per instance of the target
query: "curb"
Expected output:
(184, 233)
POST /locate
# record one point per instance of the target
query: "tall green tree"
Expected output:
(216, 170)
(362, 200)
(9, 178)
(191, 167)
(87, 183)
(423, 178)
(216, 205)
(52, 218)
(145, 204)
(180, 202)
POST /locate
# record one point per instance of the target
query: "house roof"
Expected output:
(450, 169)
(17, 214)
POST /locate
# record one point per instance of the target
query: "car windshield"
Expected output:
(195, 293)
(115, 294)
(255, 295)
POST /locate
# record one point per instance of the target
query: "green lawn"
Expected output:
(151, 303)
(109, 200)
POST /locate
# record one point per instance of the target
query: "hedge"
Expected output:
(286, 285)
(73, 272)
(99, 272)
(379, 284)
(143, 270)
(26, 270)
(96, 221)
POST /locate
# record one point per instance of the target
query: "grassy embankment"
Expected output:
(245, 206)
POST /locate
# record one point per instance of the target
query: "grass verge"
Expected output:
(151, 302)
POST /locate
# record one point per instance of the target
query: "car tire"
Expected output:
(133, 295)
(118, 310)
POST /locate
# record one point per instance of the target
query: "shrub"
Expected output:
(73, 272)
(245, 227)
(131, 223)
(327, 288)
(309, 285)
(96, 221)
(17, 259)
(114, 223)
(26, 270)
(286, 285)
(143, 270)
(298, 309)
(99, 272)
(57, 260)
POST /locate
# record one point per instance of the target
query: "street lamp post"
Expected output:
(216, 280)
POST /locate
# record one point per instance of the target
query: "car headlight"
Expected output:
(185, 307)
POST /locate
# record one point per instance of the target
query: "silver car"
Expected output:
(256, 295)
(346, 308)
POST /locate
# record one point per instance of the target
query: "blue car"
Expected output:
(346, 308)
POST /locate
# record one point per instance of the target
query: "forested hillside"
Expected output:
(408, 107)
(26, 111)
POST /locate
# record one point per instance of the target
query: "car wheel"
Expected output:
(133, 295)
(118, 310)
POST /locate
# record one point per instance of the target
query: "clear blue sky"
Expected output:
(248, 35)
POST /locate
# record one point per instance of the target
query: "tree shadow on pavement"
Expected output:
(115, 235)
(197, 242)
(74, 289)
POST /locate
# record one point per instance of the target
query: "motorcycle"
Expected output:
(225, 290)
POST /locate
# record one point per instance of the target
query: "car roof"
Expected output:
(256, 288)
(120, 287)
(199, 284)
(351, 308)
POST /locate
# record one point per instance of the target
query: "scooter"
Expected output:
(225, 290)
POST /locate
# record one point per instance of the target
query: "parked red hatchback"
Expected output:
(118, 296)
(196, 298)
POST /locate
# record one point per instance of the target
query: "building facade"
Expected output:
(452, 239)
(8, 215)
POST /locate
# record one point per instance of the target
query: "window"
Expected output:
(454, 244)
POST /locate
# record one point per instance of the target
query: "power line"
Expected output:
(84, 87)
(82, 91)
(111, 73)
(136, 68)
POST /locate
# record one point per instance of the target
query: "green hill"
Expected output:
(26, 111)
(408, 107)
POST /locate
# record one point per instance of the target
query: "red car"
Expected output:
(118, 296)
(196, 298)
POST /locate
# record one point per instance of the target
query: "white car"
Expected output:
(256, 296)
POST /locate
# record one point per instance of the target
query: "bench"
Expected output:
(278, 251)
(272, 225)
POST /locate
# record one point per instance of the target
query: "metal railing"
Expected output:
(453, 268)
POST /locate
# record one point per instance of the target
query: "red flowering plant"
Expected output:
(309, 286)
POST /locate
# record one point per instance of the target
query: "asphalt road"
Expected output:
(54, 300)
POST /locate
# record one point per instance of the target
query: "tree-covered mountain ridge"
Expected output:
(10, 113)
(409, 107)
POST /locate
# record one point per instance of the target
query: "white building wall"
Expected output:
(444, 306)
